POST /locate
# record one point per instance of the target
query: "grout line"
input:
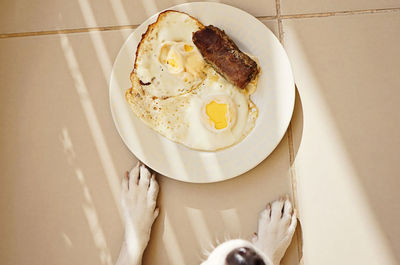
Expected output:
(341, 13)
(83, 30)
(292, 171)
(64, 31)
(266, 17)
(291, 160)
(278, 16)
(293, 180)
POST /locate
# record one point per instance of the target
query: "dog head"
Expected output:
(237, 252)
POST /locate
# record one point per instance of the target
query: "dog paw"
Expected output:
(276, 227)
(139, 196)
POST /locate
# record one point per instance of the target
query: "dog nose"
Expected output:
(244, 256)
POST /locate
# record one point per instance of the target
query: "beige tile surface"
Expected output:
(346, 136)
(272, 25)
(196, 215)
(316, 6)
(60, 152)
(62, 160)
(27, 16)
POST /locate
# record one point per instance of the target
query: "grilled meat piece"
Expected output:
(225, 57)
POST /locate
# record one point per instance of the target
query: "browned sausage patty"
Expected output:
(223, 54)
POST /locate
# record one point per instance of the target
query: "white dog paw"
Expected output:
(139, 196)
(276, 227)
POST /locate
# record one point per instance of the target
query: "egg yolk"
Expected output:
(217, 113)
(181, 60)
(174, 61)
(188, 48)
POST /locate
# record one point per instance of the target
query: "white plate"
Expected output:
(274, 98)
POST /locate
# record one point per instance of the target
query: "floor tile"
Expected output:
(61, 154)
(211, 212)
(313, 6)
(346, 127)
(272, 25)
(62, 161)
(27, 16)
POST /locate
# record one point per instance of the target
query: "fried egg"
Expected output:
(168, 63)
(176, 93)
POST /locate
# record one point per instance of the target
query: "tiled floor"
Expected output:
(62, 157)
(347, 136)
(44, 15)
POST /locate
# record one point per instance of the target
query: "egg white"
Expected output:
(174, 106)
(170, 33)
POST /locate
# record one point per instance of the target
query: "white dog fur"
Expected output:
(276, 226)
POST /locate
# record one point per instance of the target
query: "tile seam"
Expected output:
(292, 171)
(289, 133)
(64, 31)
(85, 30)
(292, 168)
(279, 17)
(262, 18)
(341, 13)
(279, 20)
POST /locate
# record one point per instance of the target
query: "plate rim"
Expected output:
(238, 172)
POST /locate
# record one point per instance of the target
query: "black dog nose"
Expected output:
(244, 256)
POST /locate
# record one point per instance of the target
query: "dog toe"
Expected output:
(144, 179)
(287, 208)
(153, 188)
(287, 212)
(125, 182)
(134, 176)
(276, 209)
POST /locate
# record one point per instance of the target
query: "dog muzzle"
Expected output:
(244, 256)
